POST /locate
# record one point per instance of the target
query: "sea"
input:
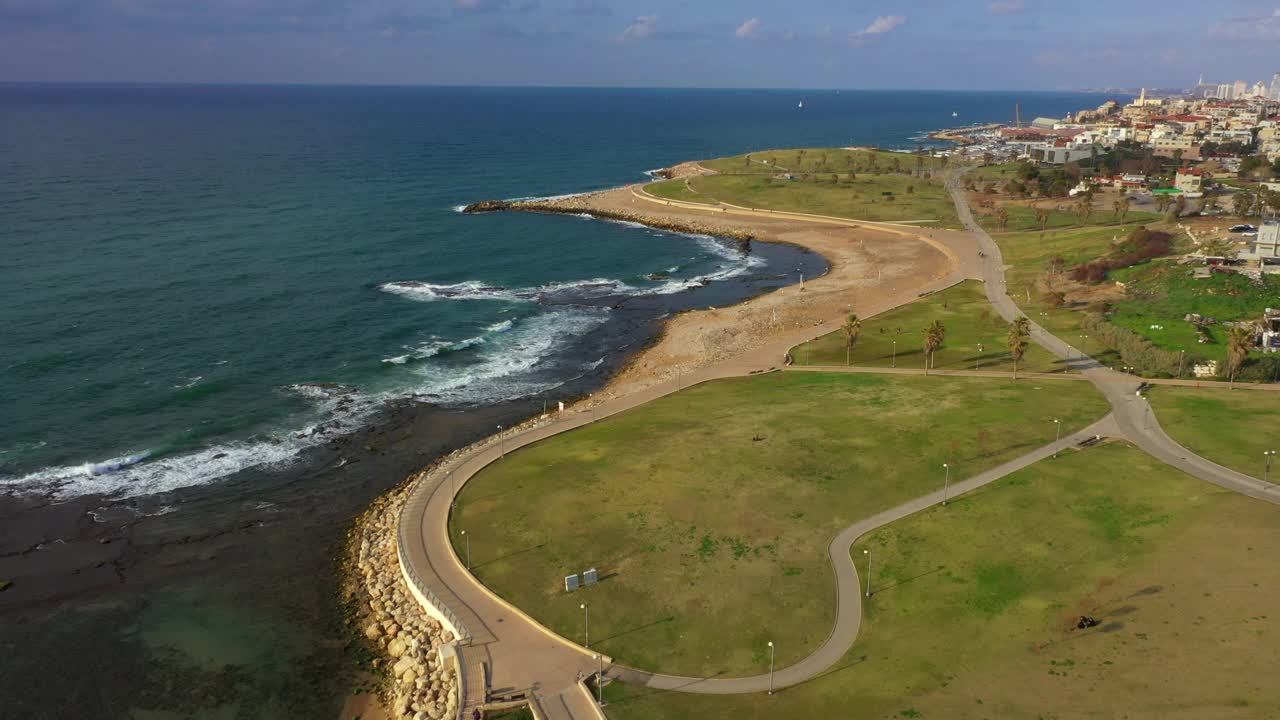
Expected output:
(231, 316)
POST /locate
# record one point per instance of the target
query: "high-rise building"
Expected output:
(1224, 92)
(1275, 87)
(1239, 90)
(1259, 90)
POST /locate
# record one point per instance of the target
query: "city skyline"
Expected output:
(661, 43)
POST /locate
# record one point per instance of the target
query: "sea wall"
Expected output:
(422, 681)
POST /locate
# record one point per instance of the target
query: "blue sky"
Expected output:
(955, 44)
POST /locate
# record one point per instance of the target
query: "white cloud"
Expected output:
(749, 29)
(643, 27)
(1266, 27)
(879, 26)
(1006, 7)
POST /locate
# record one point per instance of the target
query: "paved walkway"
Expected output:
(516, 656)
(1132, 411)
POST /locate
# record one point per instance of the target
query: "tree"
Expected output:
(1240, 203)
(1122, 208)
(1209, 203)
(1162, 202)
(1084, 208)
(934, 335)
(919, 164)
(1180, 204)
(1018, 331)
(852, 328)
(1042, 217)
(1239, 342)
(1002, 215)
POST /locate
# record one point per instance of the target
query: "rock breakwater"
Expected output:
(585, 205)
(418, 683)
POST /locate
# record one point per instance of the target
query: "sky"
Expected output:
(907, 44)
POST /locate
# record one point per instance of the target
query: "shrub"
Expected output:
(1140, 246)
(1135, 350)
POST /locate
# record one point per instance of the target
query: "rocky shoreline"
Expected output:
(583, 205)
(417, 683)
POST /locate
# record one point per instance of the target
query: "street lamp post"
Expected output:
(1266, 471)
(468, 539)
(586, 625)
(975, 360)
(1181, 353)
(600, 679)
(1057, 433)
(867, 552)
(894, 363)
(453, 490)
(946, 481)
(502, 443)
(770, 667)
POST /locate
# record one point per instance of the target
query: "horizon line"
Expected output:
(197, 83)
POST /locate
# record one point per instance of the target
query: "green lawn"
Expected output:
(1027, 254)
(676, 190)
(974, 607)
(1230, 427)
(1022, 218)
(858, 198)
(1161, 294)
(823, 161)
(710, 541)
(969, 320)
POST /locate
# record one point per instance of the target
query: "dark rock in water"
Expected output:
(487, 206)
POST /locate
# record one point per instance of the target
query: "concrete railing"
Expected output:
(406, 527)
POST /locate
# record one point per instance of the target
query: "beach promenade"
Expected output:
(506, 655)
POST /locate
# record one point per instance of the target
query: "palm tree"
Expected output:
(852, 328)
(933, 337)
(1018, 331)
(1239, 341)
(1042, 217)
(1162, 202)
(1124, 208)
(1002, 215)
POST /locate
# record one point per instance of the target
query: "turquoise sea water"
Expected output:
(203, 284)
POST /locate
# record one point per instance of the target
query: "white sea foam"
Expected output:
(500, 370)
(136, 474)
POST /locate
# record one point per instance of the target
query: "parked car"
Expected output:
(1242, 228)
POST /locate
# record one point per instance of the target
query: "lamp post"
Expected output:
(1266, 471)
(467, 537)
(453, 490)
(599, 679)
(975, 359)
(1180, 354)
(867, 552)
(946, 481)
(894, 363)
(1057, 433)
(770, 667)
(502, 443)
(586, 625)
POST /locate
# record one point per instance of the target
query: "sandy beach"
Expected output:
(872, 268)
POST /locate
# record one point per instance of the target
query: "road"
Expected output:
(508, 654)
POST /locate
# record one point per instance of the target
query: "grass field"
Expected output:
(974, 607)
(676, 190)
(1161, 294)
(1231, 428)
(710, 542)
(856, 184)
(1028, 254)
(823, 161)
(969, 320)
(860, 198)
(1022, 218)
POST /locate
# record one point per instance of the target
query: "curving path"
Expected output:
(1133, 414)
(507, 652)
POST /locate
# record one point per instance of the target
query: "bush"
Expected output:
(1137, 351)
(1140, 246)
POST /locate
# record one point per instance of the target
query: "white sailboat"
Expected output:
(955, 114)
(801, 105)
